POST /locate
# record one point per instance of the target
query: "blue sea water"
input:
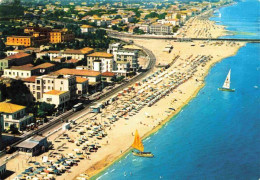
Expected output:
(217, 135)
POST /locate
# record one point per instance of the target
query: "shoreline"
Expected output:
(96, 173)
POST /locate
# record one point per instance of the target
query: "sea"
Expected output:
(217, 135)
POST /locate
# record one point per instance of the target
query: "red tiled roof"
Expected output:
(110, 74)
(81, 79)
(26, 67)
(18, 55)
(43, 66)
(101, 54)
(72, 61)
(76, 72)
(30, 79)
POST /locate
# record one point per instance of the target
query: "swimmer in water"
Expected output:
(124, 173)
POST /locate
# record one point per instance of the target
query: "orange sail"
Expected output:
(138, 142)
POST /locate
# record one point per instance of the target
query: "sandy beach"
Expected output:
(201, 27)
(166, 91)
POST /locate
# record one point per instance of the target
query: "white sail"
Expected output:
(227, 81)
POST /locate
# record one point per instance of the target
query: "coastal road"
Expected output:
(170, 37)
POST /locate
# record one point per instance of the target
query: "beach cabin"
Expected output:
(33, 146)
(95, 109)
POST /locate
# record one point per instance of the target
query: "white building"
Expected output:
(14, 114)
(121, 68)
(87, 28)
(68, 54)
(59, 98)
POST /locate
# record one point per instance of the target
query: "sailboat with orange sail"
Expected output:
(138, 145)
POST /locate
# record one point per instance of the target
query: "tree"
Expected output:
(178, 16)
(2, 45)
(3, 92)
(45, 109)
(152, 15)
(19, 93)
(138, 31)
(175, 29)
(14, 129)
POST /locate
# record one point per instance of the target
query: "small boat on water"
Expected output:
(138, 145)
(226, 85)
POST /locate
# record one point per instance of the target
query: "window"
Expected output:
(38, 81)
(38, 88)
(7, 116)
(6, 124)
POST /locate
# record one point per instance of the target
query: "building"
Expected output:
(38, 85)
(108, 77)
(157, 28)
(15, 60)
(14, 114)
(33, 146)
(59, 98)
(94, 77)
(87, 29)
(174, 22)
(38, 31)
(67, 54)
(100, 61)
(113, 48)
(82, 85)
(61, 35)
(14, 72)
(28, 70)
(121, 68)
(26, 41)
(127, 55)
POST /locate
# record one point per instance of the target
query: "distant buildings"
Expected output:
(157, 28)
(87, 28)
(40, 36)
(61, 35)
(26, 41)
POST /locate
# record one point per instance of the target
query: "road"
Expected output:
(170, 37)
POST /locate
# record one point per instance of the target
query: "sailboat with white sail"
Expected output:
(226, 85)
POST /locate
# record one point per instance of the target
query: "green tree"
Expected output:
(14, 129)
(19, 93)
(3, 92)
(45, 109)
